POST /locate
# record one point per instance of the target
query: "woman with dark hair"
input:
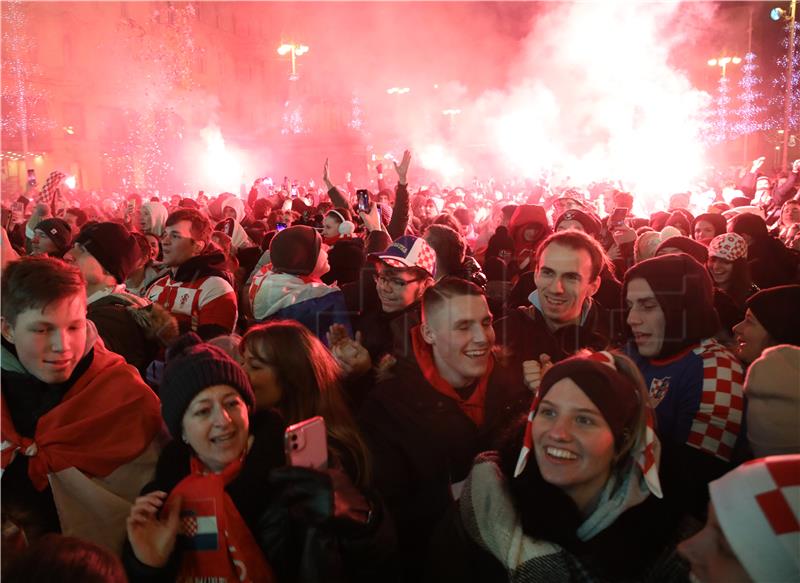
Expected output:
(292, 371)
(574, 502)
(222, 508)
(728, 268)
(147, 270)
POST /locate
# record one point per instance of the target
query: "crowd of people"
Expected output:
(529, 386)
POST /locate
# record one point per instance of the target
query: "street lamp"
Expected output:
(398, 90)
(724, 62)
(778, 14)
(294, 50)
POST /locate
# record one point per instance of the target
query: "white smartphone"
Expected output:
(306, 444)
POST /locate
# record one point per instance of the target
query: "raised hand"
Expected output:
(533, 371)
(796, 166)
(371, 220)
(758, 163)
(326, 177)
(402, 168)
(152, 538)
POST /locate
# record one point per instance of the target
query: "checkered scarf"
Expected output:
(217, 544)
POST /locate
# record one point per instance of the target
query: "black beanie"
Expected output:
(193, 366)
(778, 310)
(590, 224)
(685, 293)
(58, 231)
(295, 250)
(716, 220)
(749, 224)
(113, 246)
(686, 245)
(680, 221)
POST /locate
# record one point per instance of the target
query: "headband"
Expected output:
(615, 395)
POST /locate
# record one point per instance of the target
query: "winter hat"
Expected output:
(500, 241)
(189, 203)
(409, 251)
(113, 246)
(729, 247)
(685, 293)
(685, 245)
(646, 245)
(749, 224)
(658, 220)
(757, 506)
(193, 366)
(589, 223)
(680, 221)
(776, 309)
(58, 231)
(295, 249)
(716, 220)
(772, 387)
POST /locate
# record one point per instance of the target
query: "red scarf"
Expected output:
(220, 546)
(472, 407)
(331, 241)
(105, 420)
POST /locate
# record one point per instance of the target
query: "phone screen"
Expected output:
(617, 218)
(363, 200)
(280, 226)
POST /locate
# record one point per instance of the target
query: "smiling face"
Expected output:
(461, 334)
(721, 271)
(704, 231)
(564, 280)
(711, 556)
(397, 288)
(573, 444)
(645, 317)
(215, 425)
(751, 338)
(51, 341)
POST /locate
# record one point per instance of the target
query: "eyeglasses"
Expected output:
(394, 282)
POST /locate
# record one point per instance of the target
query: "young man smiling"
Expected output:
(197, 289)
(562, 317)
(438, 408)
(78, 423)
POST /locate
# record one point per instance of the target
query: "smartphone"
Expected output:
(362, 196)
(130, 208)
(17, 208)
(617, 218)
(306, 444)
(280, 226)
(31, 177)
(293, 192)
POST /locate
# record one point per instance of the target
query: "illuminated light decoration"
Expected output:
(166, 51)
(293, 119)
(69, 130)
(778, 93)
(751, 111)
(356, 114)
(295, 51)
(720, 127)
(398, 90)
(24, 117)
(777, 14)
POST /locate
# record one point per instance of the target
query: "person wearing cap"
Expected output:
(695, 382)
(435, 409)
(772, 317)
(223, 467)
(682, 244)
(528, 227)
(79, 426)
(753, 525)
(292, 287)
(51, 237)
(573, 489)
(196, 290)
(562, 316)
(106, 253)
(727, 265)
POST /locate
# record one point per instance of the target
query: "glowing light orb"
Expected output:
(71, 182)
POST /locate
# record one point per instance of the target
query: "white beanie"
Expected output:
(772, 388)
(758, 507)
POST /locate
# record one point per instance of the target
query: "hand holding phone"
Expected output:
(617, 218)
(306, 444)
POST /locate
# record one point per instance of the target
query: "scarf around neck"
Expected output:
(474, 406)
(218, 545)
